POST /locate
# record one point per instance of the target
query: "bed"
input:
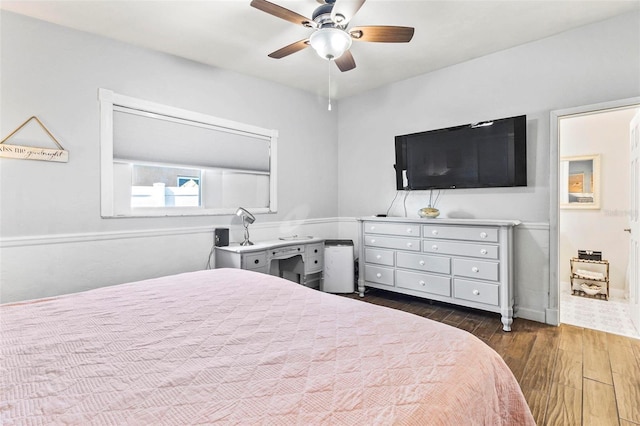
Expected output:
(228, 346)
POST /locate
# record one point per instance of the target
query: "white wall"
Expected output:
(53, 238)
(592, 64)
(606, 134)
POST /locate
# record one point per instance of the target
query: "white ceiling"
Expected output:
(231, 34)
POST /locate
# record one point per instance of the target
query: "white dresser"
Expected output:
(465, 262)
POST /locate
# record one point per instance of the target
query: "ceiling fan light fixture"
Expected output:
(330, 43)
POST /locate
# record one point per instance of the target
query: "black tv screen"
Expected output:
(478, 155)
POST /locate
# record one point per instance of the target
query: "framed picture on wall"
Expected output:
(580, 182)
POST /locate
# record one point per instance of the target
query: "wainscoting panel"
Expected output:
(50, 265)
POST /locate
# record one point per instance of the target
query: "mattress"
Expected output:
(229, 346)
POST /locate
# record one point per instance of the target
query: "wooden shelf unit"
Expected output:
(577, 279)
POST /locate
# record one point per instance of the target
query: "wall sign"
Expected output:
(33, 153)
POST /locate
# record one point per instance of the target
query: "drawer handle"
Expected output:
(476, 292)
(483, 251)
(373, 241)
(421, 263)
(483, 235)
(379, 275)
(422, 283)
(409, 230)
(475, 269)
(373, 228)
(409, 244)
(434, 232)
(378, 257)
(256, 261)
(434, 247)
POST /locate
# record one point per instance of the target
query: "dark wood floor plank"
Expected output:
(614, 340)
(568, 369)
(596, 365)
(537, 401)
(516, 365)
(541, 362)
(521, 345)
(500, 342)
(518, 351)
(571, 338)
(627, 388)
(469, 324)
(455, 318)
(624, 361)
(595, 339)
(635, 344)
(440, 315)
(488, 327)
(598, 404)
(564, 406)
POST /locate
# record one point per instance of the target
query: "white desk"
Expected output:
(300, 260)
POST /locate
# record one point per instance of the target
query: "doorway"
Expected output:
(589, 212)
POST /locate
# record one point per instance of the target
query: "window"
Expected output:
(163, 161)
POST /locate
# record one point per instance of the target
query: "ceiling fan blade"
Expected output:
(345, 62)
(382, 34)
(288, 50)
(283, 13)
(343, 10)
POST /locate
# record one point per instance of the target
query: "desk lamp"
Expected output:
(247, 219)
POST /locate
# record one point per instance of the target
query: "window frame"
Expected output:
(109, 100)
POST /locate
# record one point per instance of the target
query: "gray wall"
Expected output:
(592, 64)
(53, 238)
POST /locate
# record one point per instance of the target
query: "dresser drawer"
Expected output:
(380, 257)
(486, 251)
(314, 258)
(433, 284)
(254, 261)
(422, 262)
(411, 244)
(469, 233)
(376, 274)
(399, 229)
(313, 264)
(476, 269)
(477, 291)
(315, 249)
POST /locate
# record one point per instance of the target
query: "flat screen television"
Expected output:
(478, 155)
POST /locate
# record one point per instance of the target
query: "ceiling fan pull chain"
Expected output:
(329, 93)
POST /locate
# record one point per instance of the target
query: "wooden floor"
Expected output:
(569, 375)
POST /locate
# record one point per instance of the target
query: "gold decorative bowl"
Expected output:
(429, 212)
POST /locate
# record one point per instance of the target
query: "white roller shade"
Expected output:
(149, 137)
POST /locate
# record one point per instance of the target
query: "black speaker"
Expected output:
(221, 237)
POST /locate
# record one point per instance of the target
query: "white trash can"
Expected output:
(338, 266)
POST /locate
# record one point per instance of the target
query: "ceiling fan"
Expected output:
(331, 38)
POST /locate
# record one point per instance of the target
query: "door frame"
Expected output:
(553, 310)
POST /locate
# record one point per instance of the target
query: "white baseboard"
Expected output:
(552, 317)
(618, 293)
(530, 314)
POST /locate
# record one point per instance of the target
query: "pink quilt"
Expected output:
(229, 346)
